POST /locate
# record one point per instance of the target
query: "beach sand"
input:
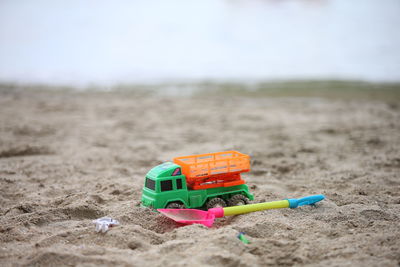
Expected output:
(68, 157)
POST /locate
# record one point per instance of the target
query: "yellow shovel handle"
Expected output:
(256, 207)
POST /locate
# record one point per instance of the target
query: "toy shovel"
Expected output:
(207, 218)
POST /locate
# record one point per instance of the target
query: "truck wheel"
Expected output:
(175, 205)
(238, 200)
(216, 203)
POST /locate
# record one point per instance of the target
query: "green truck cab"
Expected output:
(166, 186)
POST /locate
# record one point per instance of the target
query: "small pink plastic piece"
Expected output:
(218, 212)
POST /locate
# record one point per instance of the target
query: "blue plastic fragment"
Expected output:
(310, 200)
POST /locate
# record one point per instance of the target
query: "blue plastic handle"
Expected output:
(310, 200)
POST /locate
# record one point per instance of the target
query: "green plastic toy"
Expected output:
(243, 238)
(198, 181)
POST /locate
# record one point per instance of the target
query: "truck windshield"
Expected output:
(150, 184)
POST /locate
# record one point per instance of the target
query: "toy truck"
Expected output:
(198, 181)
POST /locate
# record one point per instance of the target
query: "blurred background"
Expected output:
(104, 43)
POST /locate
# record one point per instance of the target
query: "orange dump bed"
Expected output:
(214, 169)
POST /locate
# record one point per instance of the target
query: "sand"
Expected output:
(67, 158)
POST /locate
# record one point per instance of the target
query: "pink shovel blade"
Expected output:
(189, 216)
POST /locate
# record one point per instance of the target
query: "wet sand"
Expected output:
(67, 158)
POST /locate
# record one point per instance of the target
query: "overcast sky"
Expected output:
(106, 42)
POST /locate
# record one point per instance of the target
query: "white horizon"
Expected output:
(132, 42)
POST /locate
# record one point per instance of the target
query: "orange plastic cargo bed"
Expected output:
(214, 169)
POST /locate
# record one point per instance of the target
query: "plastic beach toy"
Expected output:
(243, 238)
(198, 181)
(104, 223)
(207, 218)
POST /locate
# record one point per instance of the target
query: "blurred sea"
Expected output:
(129, 41)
